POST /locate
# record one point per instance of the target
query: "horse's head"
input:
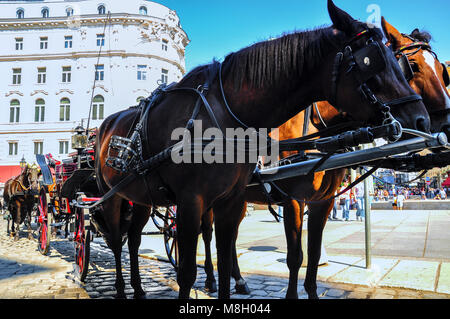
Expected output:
(426, 75)
(33, 173)
(366, 79)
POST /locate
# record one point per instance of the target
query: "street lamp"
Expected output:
(79, 142)
(79, 139)
(23, 163)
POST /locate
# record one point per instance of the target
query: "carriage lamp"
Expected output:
(79, 139)
(23, 162)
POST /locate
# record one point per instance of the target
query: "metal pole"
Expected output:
(367, 210)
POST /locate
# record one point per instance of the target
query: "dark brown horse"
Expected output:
(20, 196)
(429, 80)
(277, 78)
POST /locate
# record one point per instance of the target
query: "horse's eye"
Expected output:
(414, 66)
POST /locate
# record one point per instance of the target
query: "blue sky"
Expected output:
(218, 27)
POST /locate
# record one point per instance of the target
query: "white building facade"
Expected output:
(51, 54)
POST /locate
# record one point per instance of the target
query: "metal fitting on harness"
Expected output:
(121, 153)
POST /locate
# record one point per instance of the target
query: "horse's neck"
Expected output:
(270, 107)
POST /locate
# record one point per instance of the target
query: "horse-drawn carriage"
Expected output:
(63, 182)
(67, 187)
(341, 64)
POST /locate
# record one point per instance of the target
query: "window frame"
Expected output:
(39, 111)
(64, 110)
(13, 148)
(99, 72)
(98, 107)
(142, 72)
(14, 111)
(17, 76)
(19, 44)
(38, 147)
(43, 43)
(68, 41)
(100, 40)
(66, 74)
(42, 75)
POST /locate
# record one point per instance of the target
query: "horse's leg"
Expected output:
(293, 221)
(241, 285)
(316, 223)
(17, 220)
(189, 214)
(227, 217)
(140, 217)
(111, 213)
(207, 222)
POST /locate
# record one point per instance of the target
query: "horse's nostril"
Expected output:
(423, 125)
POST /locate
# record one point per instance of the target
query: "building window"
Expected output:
(17, 76)
(101, 9)
(68, 42)
(69, 12)
(39, 111)
(64, 110)
(142, 72)
(164, 45)
(99, 72)
(20, 14)
(45, 13)
(143, 10)
(14, 111)
(63, 147)
(98, 108)
(100, 40)
(67, 74)
(13, 148)
(42, 75)
(19, 44)
(44, 43)
(38, 148)
(164, 76)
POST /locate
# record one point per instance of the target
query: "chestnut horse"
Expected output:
(19, 197)
(430, 79)
(279, 78)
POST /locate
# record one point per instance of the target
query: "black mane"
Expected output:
(270, 62)
(423, 36)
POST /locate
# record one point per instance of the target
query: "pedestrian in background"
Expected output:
(344, 202)
(400, 200)
(359, 198)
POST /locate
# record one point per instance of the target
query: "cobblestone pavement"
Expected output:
(25, 273)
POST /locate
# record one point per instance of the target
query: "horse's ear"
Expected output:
(341, 19)
(393, 36)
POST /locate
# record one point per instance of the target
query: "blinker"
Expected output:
(445, 75)
(370, 61)
(406, 68)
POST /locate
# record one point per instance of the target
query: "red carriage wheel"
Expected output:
(82, 240)
(44, 221)
(170, 236)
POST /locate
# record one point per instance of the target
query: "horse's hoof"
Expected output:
(242, 289)
(291, 296)
(140, 296)
(210, 286)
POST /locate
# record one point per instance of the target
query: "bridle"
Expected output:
(405, 64)
(365, 63)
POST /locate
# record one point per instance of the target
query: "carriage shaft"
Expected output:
(352, 158)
